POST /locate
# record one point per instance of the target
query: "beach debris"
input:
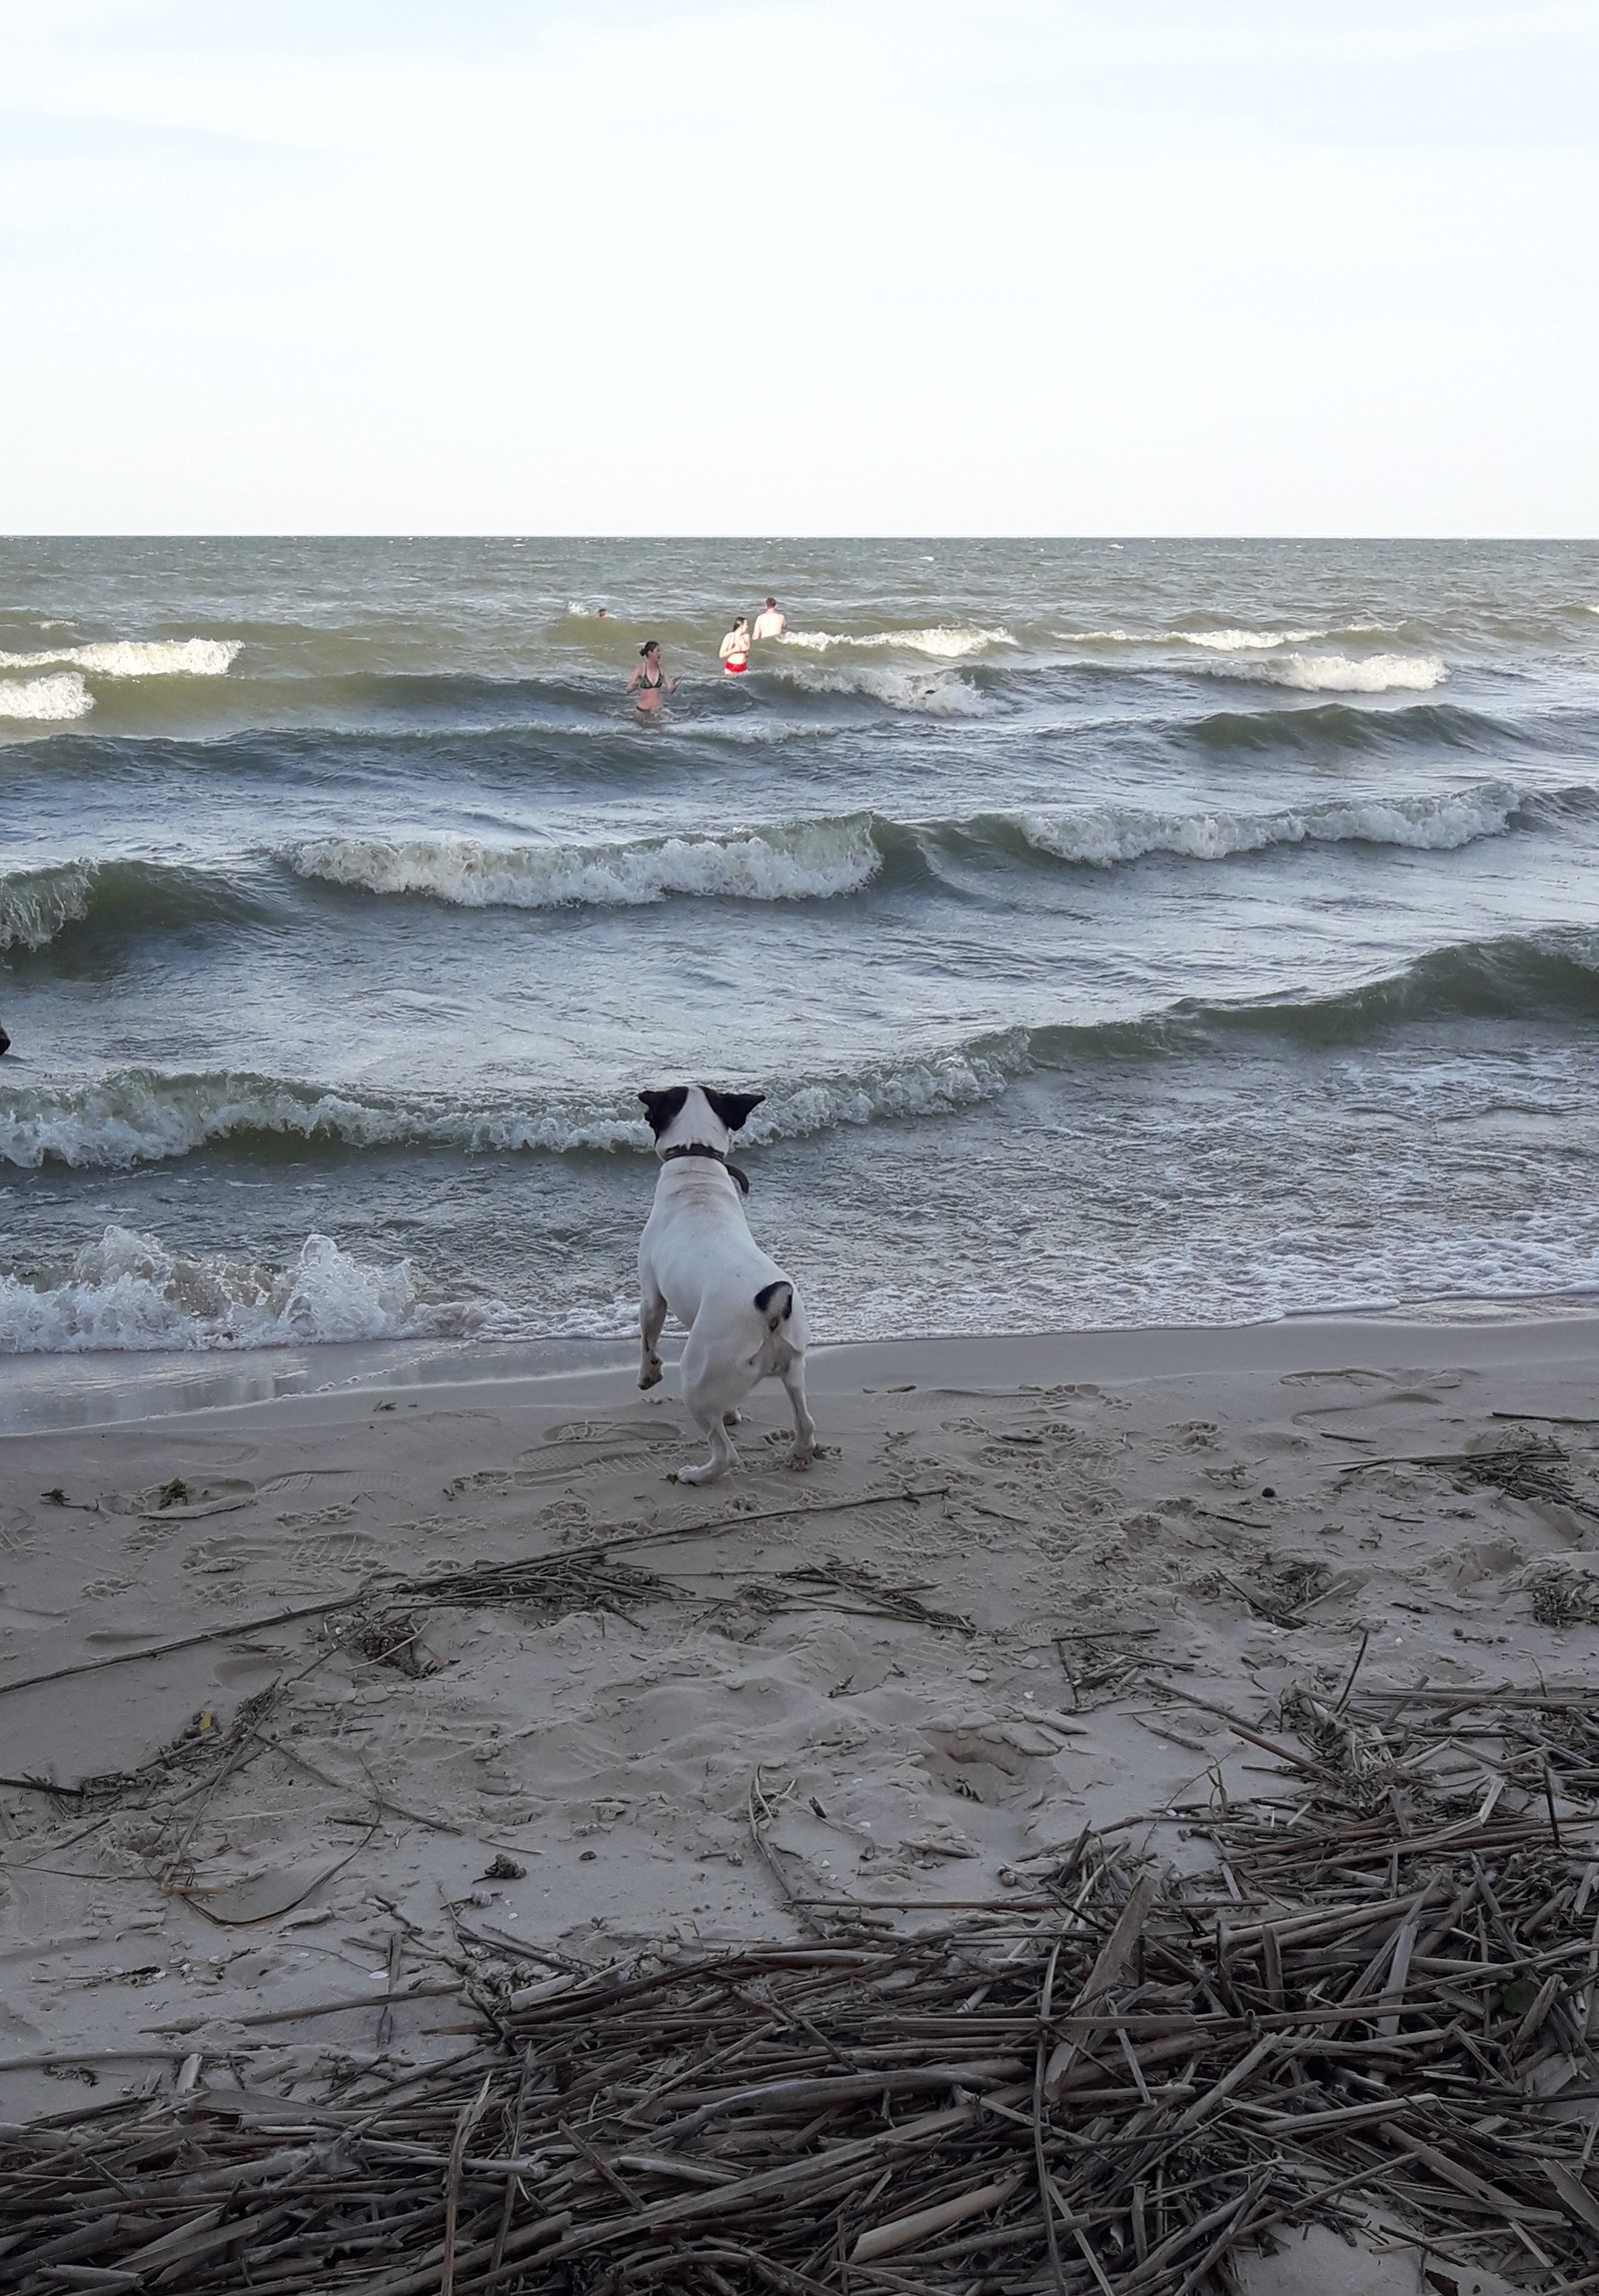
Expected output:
(1381, 1998)
(393, 1639)
(1535, 1468)
(1564, 1591)
(496, 1580)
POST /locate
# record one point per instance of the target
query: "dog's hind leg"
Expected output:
(652, 1319)
(805, 1427)
(723, 1456)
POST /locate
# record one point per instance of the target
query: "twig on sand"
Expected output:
(393, 1589)
(1388, 2002)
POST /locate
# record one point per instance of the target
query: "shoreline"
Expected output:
(47, 1393)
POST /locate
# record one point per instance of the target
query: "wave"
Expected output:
(128, 1291)
(927, 693)
(1351, 673)
(45, 700)
(139, 1115)
(138, 658)
(1220, 641)
(38, 906)
(1244, 641)
(942, 643)
(811, 860)
(1103, 836)
(1337, 730)
(820, 857)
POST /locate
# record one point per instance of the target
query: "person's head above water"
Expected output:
(649, 646)
(740, 619)
(771, 602)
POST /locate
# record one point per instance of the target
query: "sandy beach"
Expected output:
(341, 1696)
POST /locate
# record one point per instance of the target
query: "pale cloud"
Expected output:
(798, 268)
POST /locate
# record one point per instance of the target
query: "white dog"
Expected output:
(697, 1259)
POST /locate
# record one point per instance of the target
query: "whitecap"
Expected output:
(1355, 674)
(139, 1115)
(798, 862)
(943, 644)
(1103, 836)
(925, 691)
(1244, 641)
(1219, 641)
(45, 700)
(139, 658)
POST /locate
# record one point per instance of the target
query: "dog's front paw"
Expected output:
(800, 1460)
(652, 1375)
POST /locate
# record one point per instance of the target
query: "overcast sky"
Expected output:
(835, 265)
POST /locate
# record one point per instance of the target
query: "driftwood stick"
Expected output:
(418, 1589)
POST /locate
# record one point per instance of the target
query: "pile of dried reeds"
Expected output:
(1384, 1998)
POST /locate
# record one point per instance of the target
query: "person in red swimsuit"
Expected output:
(735, 647)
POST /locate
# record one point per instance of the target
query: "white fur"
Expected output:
(697, 1259)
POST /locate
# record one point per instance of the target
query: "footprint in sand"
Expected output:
(16, 1530)
(603, 1431)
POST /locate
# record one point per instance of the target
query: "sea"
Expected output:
(1120, 933)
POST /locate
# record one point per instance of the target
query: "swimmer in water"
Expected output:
(735, 647)
(771, 621)
(649, 684)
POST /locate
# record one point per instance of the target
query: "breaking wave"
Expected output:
(824, 858)
(1244, 641)
(128, 1291)
(803, 861)
(943, 644)
(45, 700)
(1103, 836)
(927, 692)
(138, 658)
(38, 906)
(1220, 641)
(1353, 673)
(135, 1115)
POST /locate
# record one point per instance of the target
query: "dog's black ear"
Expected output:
(733, 1107)
(661, 1108)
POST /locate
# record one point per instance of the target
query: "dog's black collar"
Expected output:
(714, 1156)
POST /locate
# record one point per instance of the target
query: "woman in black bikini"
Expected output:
(649, 684)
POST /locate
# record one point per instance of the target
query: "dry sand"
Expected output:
(1130, 1530)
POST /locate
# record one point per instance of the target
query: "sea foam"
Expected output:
(925, 693)
(943, 644)
(138, 658)
(128, 1291)
(44, 699)
(1354, 673)
(1220, 641)
(803, 861)
(1244, 641)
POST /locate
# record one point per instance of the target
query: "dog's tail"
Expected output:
(776, 1303)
